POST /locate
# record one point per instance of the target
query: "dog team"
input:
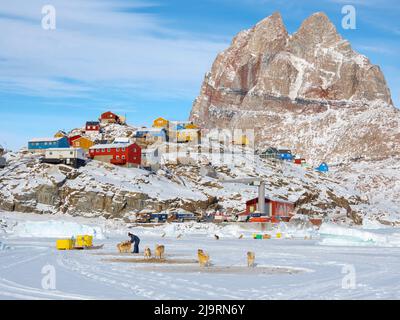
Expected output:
(203, 257)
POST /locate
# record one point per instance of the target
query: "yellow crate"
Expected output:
(279, 235)
(84, 241)
(65, 244)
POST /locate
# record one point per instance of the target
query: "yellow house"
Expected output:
(83, 143)
(241, 141)
(191, 126)
(60, 134)
(188, 135)
(160, 123)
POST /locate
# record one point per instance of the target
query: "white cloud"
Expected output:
(97, 43)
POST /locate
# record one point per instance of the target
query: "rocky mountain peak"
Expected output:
(267, 78)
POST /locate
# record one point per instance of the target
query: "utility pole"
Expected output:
(255, 182)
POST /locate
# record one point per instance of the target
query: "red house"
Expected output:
(73, 138)
(299, 161)
(276, 209)
(109, 117)
(92, 126)
(122, 154)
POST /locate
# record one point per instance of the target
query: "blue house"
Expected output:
(323, 167)
(285, 155)
(40, 144)
(148, 133)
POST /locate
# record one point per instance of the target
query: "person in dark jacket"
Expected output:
(135, 240)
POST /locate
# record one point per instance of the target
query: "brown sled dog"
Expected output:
(159, 252)
(147, 253)
(204, 258)
(124, 247)
(251, 257)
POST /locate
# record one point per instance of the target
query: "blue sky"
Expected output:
(145, 58)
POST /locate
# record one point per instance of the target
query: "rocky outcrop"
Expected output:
(308, 91)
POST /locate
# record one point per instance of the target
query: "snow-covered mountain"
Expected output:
(308, 91)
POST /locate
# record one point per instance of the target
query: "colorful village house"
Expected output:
(323, 167)
(74, 157)
(179, 125)
(160, 123)
(73, 138)
(60, 134)
(276, 210)
(285, 155)
(41, 144)
(299, 161)
(83, 143)
(241, 140)
(117, 154)
(92, 126)
(270, 153)
(109, 117)
(152, 134)
(191, 126)
(188, 135)
(122, 140)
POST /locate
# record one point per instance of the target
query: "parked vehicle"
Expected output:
(158, 217)
(183, 217)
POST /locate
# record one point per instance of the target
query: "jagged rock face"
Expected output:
(290, 88)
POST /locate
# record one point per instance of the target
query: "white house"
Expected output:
(74, 157)
(122, 140)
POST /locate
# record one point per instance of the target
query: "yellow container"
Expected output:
(65, 244)
(84, 241)
(279, 235)
(266, 236)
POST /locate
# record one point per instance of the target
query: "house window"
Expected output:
(123, 157)
(108, 150)
(117, 157)
(51, 153)
(71, 152)
(103, 150)
(123, 149)
(117, 149)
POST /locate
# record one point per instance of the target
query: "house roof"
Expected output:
(46, 139)
(81, 137)
(108, 112)
(63, 149)
(150, 130)
(111, 146)
(92, 123)
(271, 199)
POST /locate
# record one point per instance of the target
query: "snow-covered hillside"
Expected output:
(100, 189)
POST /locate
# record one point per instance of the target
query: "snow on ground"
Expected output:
(287, 268)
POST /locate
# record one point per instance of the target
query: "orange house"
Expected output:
(83, 143)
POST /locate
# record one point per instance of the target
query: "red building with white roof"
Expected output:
(92, 126)
(129, 155)
(275, 209)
